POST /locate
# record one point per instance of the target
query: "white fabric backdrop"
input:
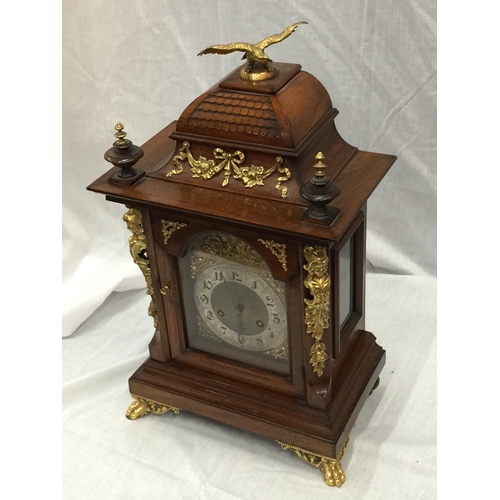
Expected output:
(135, 61)
(391, 456)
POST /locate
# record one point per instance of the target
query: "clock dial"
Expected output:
(233, 306)
(240, 307)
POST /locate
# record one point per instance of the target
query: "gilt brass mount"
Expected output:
(277, 249)
(142, 406)
(168, 228)
(254, 54)
(317, 310)
(231, 163)
(138, 250)
(330, 467)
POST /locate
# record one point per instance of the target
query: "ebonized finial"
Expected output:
(318, 192)
(124, 155)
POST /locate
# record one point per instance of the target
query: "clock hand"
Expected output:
(237, 308)
(239, 319)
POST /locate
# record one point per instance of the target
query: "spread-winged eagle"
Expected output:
(253, 52)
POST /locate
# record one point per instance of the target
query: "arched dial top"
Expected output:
(234, 307)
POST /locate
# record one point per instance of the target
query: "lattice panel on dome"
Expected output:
(234, 112)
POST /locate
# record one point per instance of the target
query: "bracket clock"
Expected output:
(248, 220)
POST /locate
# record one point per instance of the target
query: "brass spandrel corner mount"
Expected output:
(254, 54)
(168, 228)
(277, 249)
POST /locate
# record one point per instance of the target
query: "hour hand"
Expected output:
(239, 318)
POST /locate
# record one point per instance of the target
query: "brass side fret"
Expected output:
(138, 250)
(317, 310)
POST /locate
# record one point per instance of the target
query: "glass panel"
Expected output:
(345, 282)
(234, 307)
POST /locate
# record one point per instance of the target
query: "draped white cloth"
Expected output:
(135, 62)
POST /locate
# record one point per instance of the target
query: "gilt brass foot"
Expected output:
(331, 468)
(142, 406)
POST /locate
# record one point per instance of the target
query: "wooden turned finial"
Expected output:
(124, 155)
(318, 192)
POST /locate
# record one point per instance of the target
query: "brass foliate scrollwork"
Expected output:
(204, 331)
(277, 249)
(142, 406)
(231, 164)
(168, 227)
(331, 468)
(280, 352)
(224, 245)
(317, 311)
(199, 264)
(138, 250)
(318, 357)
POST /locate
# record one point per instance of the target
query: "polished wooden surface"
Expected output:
(357, 180)
(267, 412)
(258, 118)
(300, 162)
(301, 408)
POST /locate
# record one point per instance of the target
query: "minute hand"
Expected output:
(237, 308)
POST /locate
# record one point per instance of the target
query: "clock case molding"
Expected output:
(307, 410)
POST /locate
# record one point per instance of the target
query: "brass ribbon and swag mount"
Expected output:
(256, 279)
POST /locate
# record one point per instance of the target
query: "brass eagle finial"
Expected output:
(254, 53)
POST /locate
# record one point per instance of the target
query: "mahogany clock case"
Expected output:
(314, 410)
(256, 399)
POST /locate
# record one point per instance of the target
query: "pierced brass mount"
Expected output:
(138, 250)
(168, 227)
(317, 310)
(277, 249)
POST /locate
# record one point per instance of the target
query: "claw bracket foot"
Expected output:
(331, 468)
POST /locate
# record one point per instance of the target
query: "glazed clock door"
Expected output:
(233, 305)
(231, 302)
